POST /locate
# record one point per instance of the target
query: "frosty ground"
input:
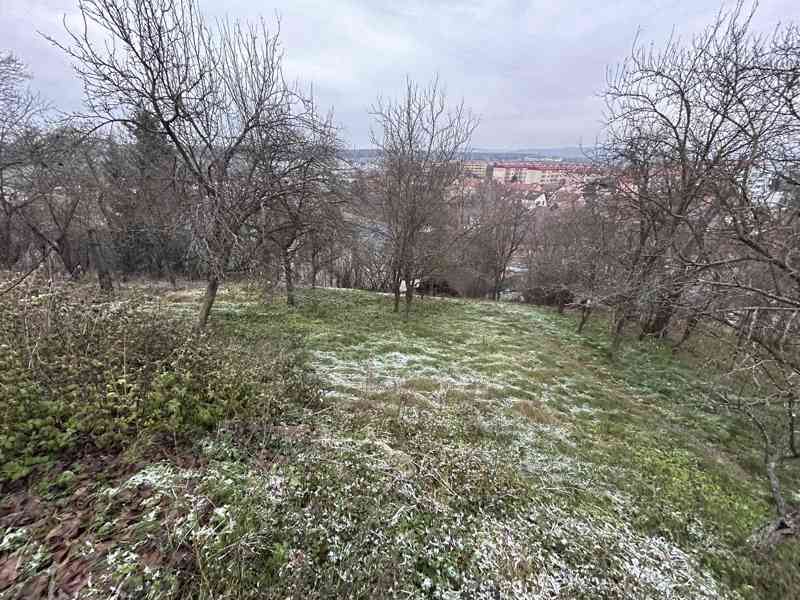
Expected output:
(475, 450)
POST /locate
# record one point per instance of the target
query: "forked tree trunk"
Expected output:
(586, 311)
(208, 301)
(63, 248)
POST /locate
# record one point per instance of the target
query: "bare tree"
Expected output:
(498, 226)
(20, 118)
(753, 272)
(218, 94)
(421, 142)
(672, 126)
(705, 134)
(59, 192)
(305, 206)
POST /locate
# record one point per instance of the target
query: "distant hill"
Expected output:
(571, 153)
(567, 153)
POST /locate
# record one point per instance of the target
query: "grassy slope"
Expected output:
(503, 414)
(479, 450)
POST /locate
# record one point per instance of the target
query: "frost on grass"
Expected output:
(392, 357)
(548, 553)
(442, 467)
(199, 509)
(443, 478)
(123, 574)
(437, 541)
(13, 538)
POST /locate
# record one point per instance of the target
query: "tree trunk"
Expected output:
(775, 485)
(586, 311)
(409, 296)
(314, 270)
(287, 272)
(787, 524)
(396, 290)
(208, 301)
(9, 254)
(658, 324)
(103, 275)
(619, 327)
(691, 324)
(64, 250)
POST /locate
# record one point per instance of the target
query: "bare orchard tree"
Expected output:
(707, 134)
(498, 230)
(217, 93)
(60, 192)
(421, 142)
(672, 125)
(306, 202)
(752, 270)
(753, 283)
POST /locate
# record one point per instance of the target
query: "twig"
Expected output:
(26, 274)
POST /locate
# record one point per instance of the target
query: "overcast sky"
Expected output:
(530, 69)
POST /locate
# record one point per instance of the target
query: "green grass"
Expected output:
(475, 450)
(637, 429)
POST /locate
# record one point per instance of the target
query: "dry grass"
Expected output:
(536, 412)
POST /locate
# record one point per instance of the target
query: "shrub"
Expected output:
(82, 372)
(549, 296)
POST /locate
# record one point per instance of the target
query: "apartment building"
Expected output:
(476, 168)
(541, 173)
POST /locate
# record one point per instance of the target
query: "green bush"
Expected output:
(79, 372)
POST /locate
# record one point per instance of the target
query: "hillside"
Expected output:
(479, 450)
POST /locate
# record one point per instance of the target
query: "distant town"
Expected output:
(545, 177)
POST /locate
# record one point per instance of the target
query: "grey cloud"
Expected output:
(530, 69)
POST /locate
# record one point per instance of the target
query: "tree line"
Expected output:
(194, 157)
(696, 227)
